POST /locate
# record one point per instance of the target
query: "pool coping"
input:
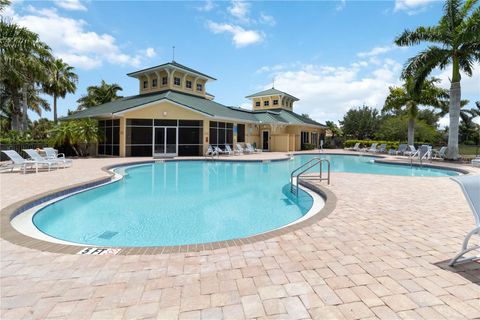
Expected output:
(9, 233)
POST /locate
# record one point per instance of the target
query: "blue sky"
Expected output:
(333, 55)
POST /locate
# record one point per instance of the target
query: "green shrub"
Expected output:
(368, 143)
(308, 146)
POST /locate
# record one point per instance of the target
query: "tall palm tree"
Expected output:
(23, 61)
(97, 95)
(406, 98)
(457, 42)
(61, 80)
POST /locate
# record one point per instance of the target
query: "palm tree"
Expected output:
(97, 95)
(61, 80)
(457, 42)
(406, 98)
(23, 61)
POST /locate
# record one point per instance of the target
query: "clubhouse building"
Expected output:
(173, 115)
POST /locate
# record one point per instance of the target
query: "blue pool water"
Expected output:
(187, 202)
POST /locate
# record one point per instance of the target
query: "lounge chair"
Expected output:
(411, 150)
(239, 149)
(356, 147)
(470, 185)
(424, 152)
(35, 156)
(211, 152)
(401, 149)
(219, 151)
(476, 162)
(382, 149)
(251, 149)
(229, 150)
(439, 154)
(52, 154)
(19, 161)
(373, 148)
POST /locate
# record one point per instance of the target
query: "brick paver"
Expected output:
(379, 254)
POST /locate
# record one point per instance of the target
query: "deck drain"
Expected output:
(108, 235)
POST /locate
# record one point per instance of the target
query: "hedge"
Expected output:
(368, 143)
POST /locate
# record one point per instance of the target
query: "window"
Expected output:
(199, 87)
(110, 137)
(145, 84)
(139, 137)
(188, 84)
(154, 82)
(240, 133)
(304, 138)
(164, 81)
(275, 102)
(257, 104)
(176, 81)
(266, 103)
(190, 138)
(221, 133)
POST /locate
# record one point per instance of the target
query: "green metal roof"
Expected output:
(172, 64)
(208, 107)
(271, 92)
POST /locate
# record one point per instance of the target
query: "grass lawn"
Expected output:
(468, 150)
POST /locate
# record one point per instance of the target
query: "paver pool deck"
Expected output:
(381, 254)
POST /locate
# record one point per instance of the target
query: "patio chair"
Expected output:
(424, 152)
(211, 152)
(439, 154)
(373, 148)
(470, 185)
(476, 162)
(356, 147)
(229, 150)
(53, 154)
(35, 156)
(401, 149)
(19, 161)
(410, 150)
(219, 151)
(251, 149)
(382, 148)
(239, 149)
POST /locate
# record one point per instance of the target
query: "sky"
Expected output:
(332, 55)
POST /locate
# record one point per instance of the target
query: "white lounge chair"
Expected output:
(251, 149)
(229, 150)
(211, 152)
(373, 148)
(219, 151)
(35, 156)
(356, 147)
(382, 148)
(411, 150)
(470, 185)
(19, 161)
(239, 149)
(52, 154)
(401, 149)
(439, 154)
(476, 162)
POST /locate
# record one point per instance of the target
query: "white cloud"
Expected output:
(70, 39)
(241, 37)
(327, 92)
(412, 7)
(150, 52)
(207, 6)
(376, 51)
(239, 9)
(267, 19)
(74, 5)
(341, 5)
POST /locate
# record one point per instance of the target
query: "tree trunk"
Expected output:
(454, 112)
(16, 113)
(411, 131)
(54, 108)
(24, 125)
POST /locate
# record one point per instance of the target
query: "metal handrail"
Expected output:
(317, 161)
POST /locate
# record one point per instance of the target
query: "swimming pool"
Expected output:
(191, 202)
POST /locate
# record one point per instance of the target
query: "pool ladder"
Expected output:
(296, 175)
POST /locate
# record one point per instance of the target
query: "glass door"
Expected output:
(265, 140)
(165, 142)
